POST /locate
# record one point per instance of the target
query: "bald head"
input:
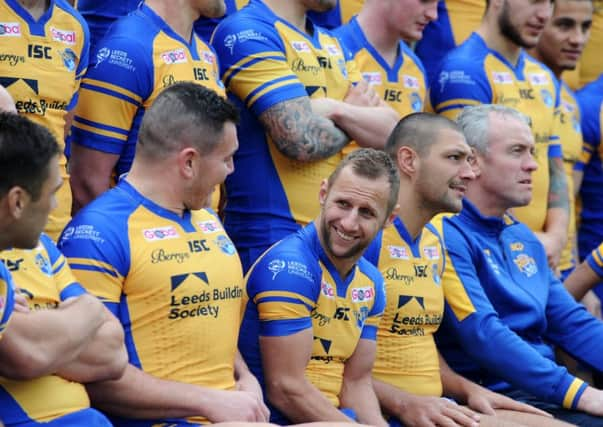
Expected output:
(6, 101)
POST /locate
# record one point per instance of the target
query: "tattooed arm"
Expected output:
(554, 236)
(300, 133)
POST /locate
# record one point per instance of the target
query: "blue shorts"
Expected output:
(86, 417)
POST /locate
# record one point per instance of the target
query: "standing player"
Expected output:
(377, 39)
(492, 67)
(143, 53)
(44, 47)
(295, 85)
(313, 303)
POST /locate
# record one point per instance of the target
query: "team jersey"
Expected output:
(407, 357)
(7, 297)
(403, 86)
(474, 74)
(457, 19)
(505, 310)
(595, 260)
(570, 135)
(41, 64)
(101, 14)
(590, 233)
(44, 279)
(266, 61)
(174, 282)
(294, 287)
(126, 75)
(340, 15)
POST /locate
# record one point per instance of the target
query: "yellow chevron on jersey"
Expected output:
(41, 64)
(402, 86)
(126, 75)
(570, 135)
(44, 279)
(174, 282)
(475, 74)
(407, 357)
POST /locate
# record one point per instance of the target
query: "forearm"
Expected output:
(558, 201)
(42, 342)
(360, 396)
(581, 280)
(140, 395)
(105, 358)
(368, 126)
(301, 401)
(453, 384)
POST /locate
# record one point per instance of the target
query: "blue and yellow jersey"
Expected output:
(595, 260)
(505, 311)
(174, 282)
(590, 233)
(403, 86)
(44, 279)
(340, 15)
(407, 357)
(41, 64)
(294, 287)
(7, 297)
(266, 61)
(475, 74)
(457, 19)
(127, 73)
(570, 135)
(101, 14)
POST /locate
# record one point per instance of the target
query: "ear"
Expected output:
(407, 160)
(324, 190)
(390, 219)
(477, 163)
(186, 162)
(17, 200)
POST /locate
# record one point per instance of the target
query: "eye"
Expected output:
(342, 204)
(366, 213)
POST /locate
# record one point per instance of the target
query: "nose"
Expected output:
(229, 167)
(544, 11)
(530, 163)
(467, 172)
(349, 221)
(432, 11)
(578, 36)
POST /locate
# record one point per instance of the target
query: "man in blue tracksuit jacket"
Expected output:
(504, 307)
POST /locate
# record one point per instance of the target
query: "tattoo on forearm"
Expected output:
(558, 194)
(301, 135)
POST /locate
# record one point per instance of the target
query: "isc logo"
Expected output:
(37, 51)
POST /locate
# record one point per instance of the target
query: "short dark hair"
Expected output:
(26, 149)
(418, 131)
(372, 164)
(184, 111)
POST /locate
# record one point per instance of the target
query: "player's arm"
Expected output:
(586, 275)
(42, 342)
(246, 381)
(357, 388)
(284, 359)
(104, 358)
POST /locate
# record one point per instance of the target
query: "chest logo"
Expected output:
(526, 264)
(398, 252)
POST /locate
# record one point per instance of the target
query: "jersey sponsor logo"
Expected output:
(209, 227)
(392, 95)
(416, 102)
(526, 264)
(116, 57)
(225, 245)
(160, 233)
(13, 265)
(40, 106)
(547, 98)
(538, 79)
(516, 246)
(83, 232)
(332, 49)
(43, 264)
(327, 289)
(295, 268)
(373, 78)
(12, 60)
(398, 252)
(276, 266)
(10, 29)
(324, 62)
(342, 313)
(198, 245)
(526, 93)
(161, 255)
(392, 273)
(410, 82)
(493, 265)
(298, 65)
(431, 252)
(420, 270)
(208, 57)
(69, 59)
(363, 294)
(503, 77)
(320, 318)
(301, 46)
(63, 36)
(38, 51)
(455, 77)
(176, 56)
(231, 40)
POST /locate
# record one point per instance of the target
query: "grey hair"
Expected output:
(475, 123)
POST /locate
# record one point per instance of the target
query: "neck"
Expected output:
(536, 54)
(36, 8)
(177, 14)
(490, 32)
(164, 192)
(292, 11)
(379, 35)
(487, 205)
